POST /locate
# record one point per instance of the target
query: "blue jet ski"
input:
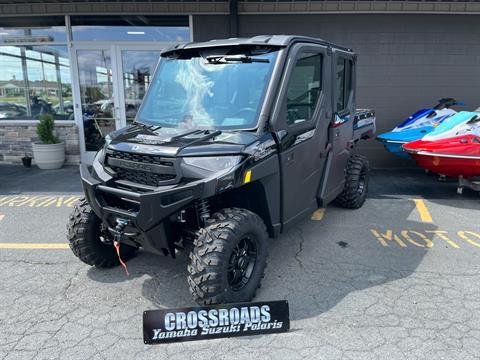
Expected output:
(462, 123)
(417, 126)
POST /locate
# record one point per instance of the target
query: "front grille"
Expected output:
(145, 169)
(142, 177)
(142, 158)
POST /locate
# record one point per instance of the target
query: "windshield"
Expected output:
(208, 93)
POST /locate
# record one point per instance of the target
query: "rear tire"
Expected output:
(229, 257)
(356, 183)
(84, 231)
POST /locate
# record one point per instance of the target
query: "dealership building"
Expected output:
(89, 63)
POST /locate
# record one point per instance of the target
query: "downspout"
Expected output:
(233, 18)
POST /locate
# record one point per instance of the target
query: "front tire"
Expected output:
(84, 232)
(356, 183)
(228, 259)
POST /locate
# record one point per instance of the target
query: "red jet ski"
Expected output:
(457, 156)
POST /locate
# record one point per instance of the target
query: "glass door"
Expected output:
(136, 66)
(95, 103)
(111, 83)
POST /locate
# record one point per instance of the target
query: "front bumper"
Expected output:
(148, 213)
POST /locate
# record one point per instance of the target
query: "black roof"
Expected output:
(260, 40)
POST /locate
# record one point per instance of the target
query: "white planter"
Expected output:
(49, 156)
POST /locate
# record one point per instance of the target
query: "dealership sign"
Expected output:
(215, 321)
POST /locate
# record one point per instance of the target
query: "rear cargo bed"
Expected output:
(364, 124)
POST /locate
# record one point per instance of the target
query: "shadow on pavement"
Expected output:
(314, 266)
(414, 182)
(15, 179)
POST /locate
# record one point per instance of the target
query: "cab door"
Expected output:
(341, 127)
(301, 123)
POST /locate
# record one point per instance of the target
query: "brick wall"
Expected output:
(16, 141)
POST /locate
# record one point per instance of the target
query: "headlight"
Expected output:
(99, 156)
(212, 163)
(108, 140)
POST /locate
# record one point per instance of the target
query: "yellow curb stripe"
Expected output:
(33, 246)
(318, 214)
(423, 211)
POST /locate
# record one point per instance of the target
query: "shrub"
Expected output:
(45, 129)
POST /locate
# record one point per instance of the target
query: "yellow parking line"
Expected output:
(423, 211)
(318, 214)
(33, 246)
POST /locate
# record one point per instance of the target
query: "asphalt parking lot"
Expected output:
(397, 279)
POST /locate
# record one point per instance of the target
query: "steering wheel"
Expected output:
(244, 110)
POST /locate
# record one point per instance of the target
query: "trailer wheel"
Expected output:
(356, 183)
(84, 232)
(228, 259)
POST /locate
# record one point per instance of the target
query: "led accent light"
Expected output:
(248, 177)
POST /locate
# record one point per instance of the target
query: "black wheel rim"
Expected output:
(241, 263)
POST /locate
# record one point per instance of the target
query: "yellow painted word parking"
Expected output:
(39, 200)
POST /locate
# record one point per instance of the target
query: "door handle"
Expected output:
(326, 151)
(290, 156)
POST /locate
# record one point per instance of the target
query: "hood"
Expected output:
(139, 138)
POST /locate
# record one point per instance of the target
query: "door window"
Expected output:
(343, 83)
(304, 87)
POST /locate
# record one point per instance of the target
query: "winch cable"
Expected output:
(116, 245)
(117, 232)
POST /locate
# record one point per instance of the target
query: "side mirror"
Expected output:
(281, 134)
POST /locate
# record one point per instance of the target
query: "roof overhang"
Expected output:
(67, 7)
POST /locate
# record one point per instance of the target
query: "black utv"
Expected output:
(236, 140)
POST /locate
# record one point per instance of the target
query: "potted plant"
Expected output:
(49, 153)
(27, 161)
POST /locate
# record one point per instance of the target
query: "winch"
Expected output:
(117, 233)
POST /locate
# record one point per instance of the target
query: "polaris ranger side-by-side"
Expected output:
(234, 142)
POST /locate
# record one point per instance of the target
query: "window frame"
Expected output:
(279, 115)
(321, 87)
(348, 65)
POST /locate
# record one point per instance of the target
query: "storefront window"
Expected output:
(130, 28)
(35, 80)
(33, 30)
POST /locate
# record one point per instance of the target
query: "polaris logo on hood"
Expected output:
(215, 321)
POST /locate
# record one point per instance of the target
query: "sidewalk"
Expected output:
(16, 179)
